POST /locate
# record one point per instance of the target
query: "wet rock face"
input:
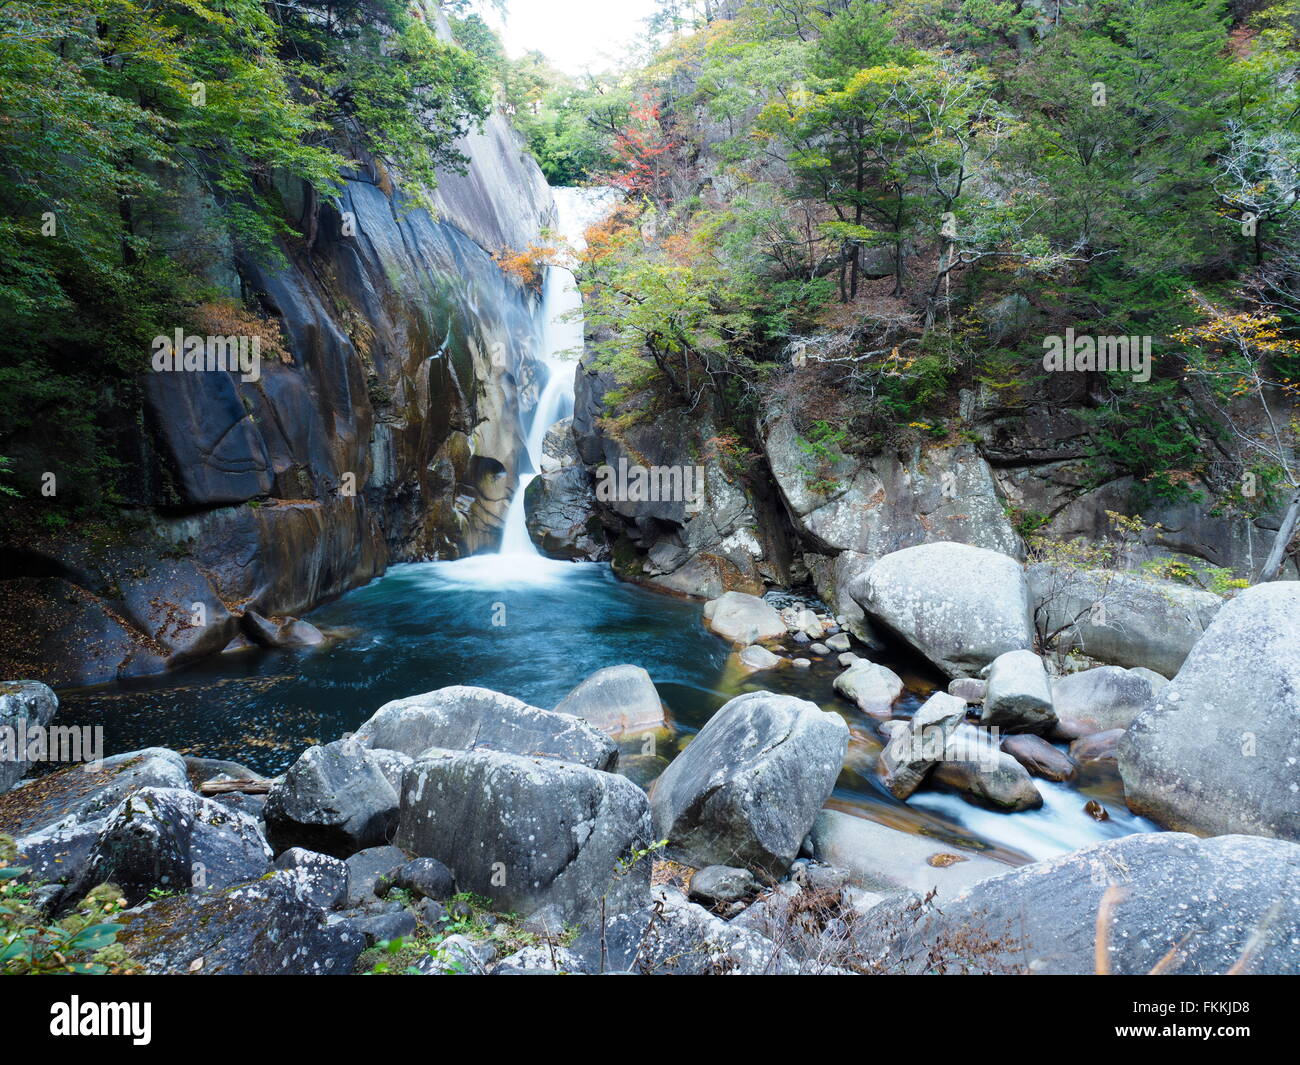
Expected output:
(701, 539)
(560, 503)
(1218, 749)
(747, 789)
(1191, 906)
(529, 832)
(384, 426)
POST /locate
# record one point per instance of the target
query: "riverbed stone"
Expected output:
(1039, 757)
(25, 707)
(884, 859)
(1097, 747)
(1180, 904)
(616, 700)
(969, 688)
(957, 605)
(1018, 694)
(335, 799)
(746, 790)
(756, 658)
(173, 840)
(914, 748)
(529, 832)
(465, 718)
(873, 688)
(720, 885)
(1218, 749)
(975, 765)
(1095, 700)
(743, 619)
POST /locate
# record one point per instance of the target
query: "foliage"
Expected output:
(84, 942)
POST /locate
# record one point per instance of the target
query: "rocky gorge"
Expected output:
(374, 673)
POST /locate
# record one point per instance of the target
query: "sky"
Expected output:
(576, 35)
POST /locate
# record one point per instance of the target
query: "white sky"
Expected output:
(576, 35)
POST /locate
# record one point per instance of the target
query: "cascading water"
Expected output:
(559, 343)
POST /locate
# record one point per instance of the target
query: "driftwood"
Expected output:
(224, 787)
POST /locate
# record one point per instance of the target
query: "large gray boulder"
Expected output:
(879, 858)
(1018, 695)
(616, 700)
(1218, 750)
(742, 618)
(1123, 619)
(270, 927)
(1180, 905)
(335, 799)
(959, 606)
(174, 840)
(1095, 700)
(25, 707)
(529, 832)
(874, 689)
(746, 790)
(462, 718)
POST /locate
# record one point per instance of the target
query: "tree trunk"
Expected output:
(1285, 533)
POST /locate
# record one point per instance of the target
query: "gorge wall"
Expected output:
(386, 429)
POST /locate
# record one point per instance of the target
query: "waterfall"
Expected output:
(559, 344)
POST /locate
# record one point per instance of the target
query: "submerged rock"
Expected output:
(616, 700)
(884, 859)
(959, 606)
(463, 718)
(748, 787)
(743, 619)
(873, 688)
(1218, 749)
(756, 658)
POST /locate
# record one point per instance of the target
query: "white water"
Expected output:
(559, 344)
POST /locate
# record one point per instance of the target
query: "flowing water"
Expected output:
(533, 628)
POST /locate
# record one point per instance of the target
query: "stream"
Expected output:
(534, 628)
